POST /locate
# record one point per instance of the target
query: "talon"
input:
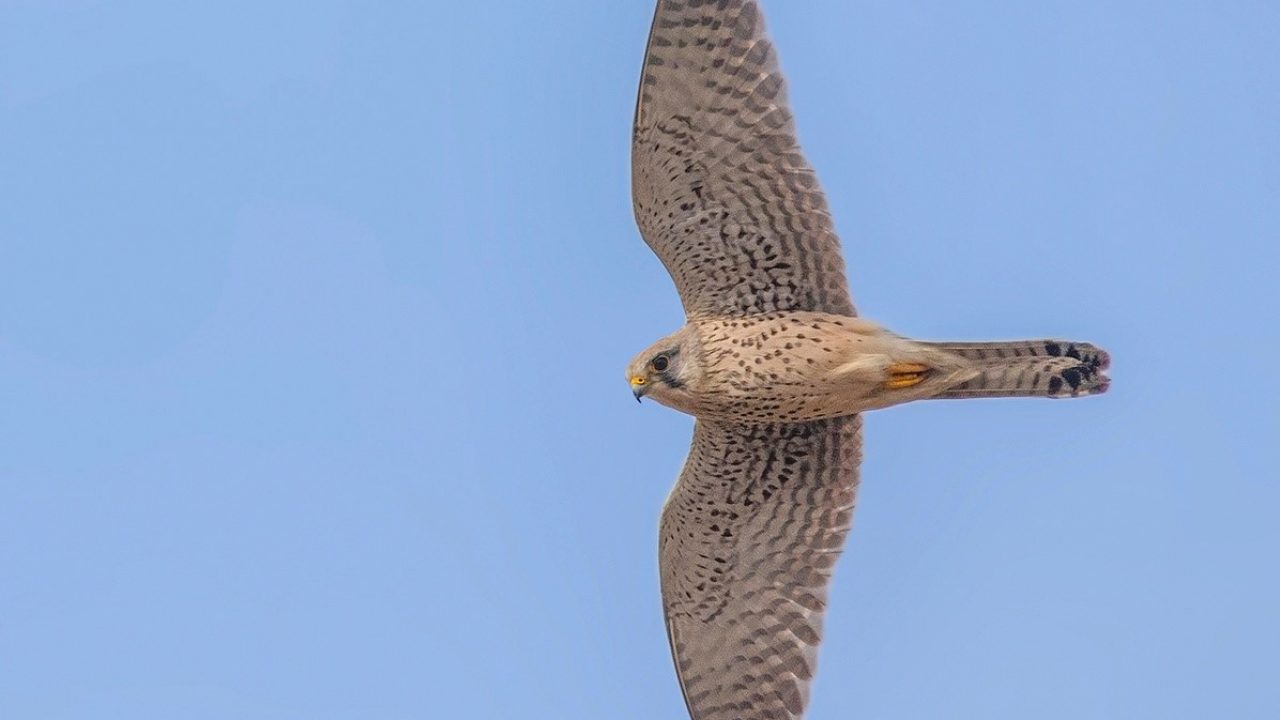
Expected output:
(905, 375)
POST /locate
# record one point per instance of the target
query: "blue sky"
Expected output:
(313, 318)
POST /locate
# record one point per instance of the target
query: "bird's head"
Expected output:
(668, 371)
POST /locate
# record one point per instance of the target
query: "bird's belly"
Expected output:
(796, 367)
(762, 398)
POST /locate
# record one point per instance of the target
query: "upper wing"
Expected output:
(748, 540)
(722, 192)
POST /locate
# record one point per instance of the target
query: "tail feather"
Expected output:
(1029, 368)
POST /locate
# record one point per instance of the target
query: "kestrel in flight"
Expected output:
(772, 361)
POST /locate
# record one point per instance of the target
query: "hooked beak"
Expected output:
(637, 387)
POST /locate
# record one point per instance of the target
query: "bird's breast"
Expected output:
(786, 367)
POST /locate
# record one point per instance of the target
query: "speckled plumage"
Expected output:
(772, 362)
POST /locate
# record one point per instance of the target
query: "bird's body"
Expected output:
(803, 366)
(772, 361)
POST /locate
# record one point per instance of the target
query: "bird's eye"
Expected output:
(660, 363)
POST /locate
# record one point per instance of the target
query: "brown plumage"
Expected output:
(771, 361)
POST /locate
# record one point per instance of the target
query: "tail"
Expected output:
(1030, 368)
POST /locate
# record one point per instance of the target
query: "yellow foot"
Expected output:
(905, 375)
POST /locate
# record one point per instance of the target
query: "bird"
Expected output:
(773, 362)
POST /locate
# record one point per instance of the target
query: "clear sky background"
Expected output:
(313, 317)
